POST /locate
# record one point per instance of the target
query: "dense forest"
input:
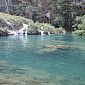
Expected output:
(60, 13)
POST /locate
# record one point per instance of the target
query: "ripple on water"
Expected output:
(11, 74)
(36, 65)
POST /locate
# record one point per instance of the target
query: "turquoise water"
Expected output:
(25, 61)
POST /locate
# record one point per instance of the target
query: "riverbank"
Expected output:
(20, 25)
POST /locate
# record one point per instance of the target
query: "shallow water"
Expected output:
(25, 61)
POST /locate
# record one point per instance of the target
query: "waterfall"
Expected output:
(26, 32)
(7, 8)
(41, 32)
(25, 27)
(7, 3)
(12, 32)
(64, 32)
(48, 33)
(23, 30)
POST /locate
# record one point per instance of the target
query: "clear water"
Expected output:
(25, 61)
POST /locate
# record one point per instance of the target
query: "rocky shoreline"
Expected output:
(13, 25)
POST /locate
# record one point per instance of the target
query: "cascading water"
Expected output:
(23, 30)
(25, 26)
(64, 32)
(48, 33)
(7, 7)
(11, 32)
(26, 32)
(41, 32)
(6, 4)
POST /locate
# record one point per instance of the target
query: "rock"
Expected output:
(52, 48)
(33, 32)
(3, 32)
(57, 46)
(62, 46)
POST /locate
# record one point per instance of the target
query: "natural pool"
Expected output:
(25, 61)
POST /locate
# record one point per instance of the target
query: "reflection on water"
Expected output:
(24, 60)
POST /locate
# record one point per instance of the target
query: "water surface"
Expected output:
(25, 61)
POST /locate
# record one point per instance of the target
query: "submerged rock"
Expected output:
(6, 68)
(45, 50)
(52, 48)
(57, 46)
(22, 80)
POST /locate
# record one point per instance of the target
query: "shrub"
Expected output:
(79, 32)
(81, 27)
(18, 21)
(3, 32)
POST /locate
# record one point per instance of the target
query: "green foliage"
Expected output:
(79, 32)
(47, 27)
(62, 13)
(3, 32)
(41, 26)
(58, 21)
(16, 20)
(81, 27)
